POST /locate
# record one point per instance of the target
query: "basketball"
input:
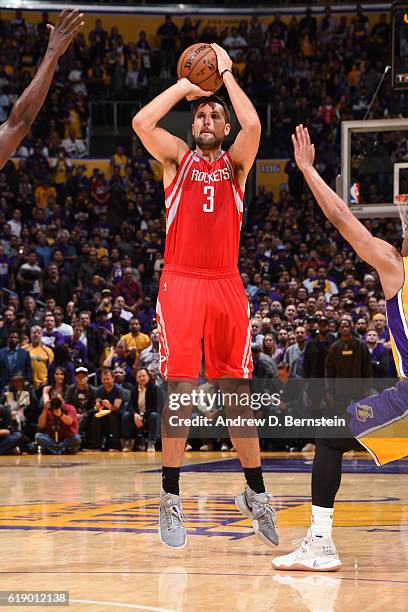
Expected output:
(198, 64)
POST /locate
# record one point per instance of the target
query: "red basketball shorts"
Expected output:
(203, 310)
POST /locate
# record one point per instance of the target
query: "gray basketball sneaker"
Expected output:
(256, 506)
(171, 529)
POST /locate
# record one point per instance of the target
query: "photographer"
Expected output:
(60, 422)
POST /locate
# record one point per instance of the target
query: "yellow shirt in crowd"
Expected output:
(41, 358)
(42, 194)
(139, 343)
(121, 161)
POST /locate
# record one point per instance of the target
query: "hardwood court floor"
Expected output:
(88, 525)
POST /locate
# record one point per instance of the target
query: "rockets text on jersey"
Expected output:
(204, 208)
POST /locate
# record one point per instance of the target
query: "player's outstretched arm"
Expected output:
(161, 144)
(27, 107)
(245, 147)
(374, 251)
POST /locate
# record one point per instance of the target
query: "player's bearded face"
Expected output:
(209, 127)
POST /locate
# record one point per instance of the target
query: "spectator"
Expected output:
(119, 376)
(143, 412)
(144, 51)
(150, 356)
(9, 439)
(13, 359)
(348, 358)
(92, 340)
(234, 44)
(120, 356)
(136, 82)
(76, 348)
(264, 365)
(62, 360)
(256, 336)
(294, 355)
(32, 314)
(59, 422)
(29, 276)
(50, 337)
(82, 396)
(58, 385)
(168, 34)
(119, 323)
(60, 327)
(106, 422)
(269, 347)
(146, 314)
(57, 287)
(43, 192)
(130, 289)
(379, 322)
(41, 357)
(22, 404)
(74, 146)
(379, 358)
(135, 340)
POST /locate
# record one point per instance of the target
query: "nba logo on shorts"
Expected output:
(364, 412)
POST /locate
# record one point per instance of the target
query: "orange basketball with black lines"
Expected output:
(198, 64)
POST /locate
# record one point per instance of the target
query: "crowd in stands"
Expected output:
(81, 256)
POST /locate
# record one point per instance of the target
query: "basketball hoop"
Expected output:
(401, 200)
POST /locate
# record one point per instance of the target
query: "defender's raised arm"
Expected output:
(27, 107)
(378, 253)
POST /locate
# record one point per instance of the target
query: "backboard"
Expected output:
(374, 166)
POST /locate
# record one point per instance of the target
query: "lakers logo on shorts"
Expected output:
(364, 412)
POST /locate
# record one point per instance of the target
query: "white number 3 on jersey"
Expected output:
(209, 205)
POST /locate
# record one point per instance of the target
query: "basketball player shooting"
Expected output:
(201, 301)
(377, 422)
(28, 105)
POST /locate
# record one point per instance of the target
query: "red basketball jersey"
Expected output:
(204, 206)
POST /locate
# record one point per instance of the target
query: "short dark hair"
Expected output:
(213, 100)
(106, 371)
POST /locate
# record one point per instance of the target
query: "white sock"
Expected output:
(322, 521)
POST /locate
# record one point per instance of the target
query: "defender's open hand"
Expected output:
(304, 149)
(69, 23)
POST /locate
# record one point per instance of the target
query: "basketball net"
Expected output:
(401, 200)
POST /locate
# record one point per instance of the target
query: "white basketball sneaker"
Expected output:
(315, 554)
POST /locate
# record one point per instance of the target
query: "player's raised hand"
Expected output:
(193, 92)
(223, 59)
(304, 149)
(69, 23)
